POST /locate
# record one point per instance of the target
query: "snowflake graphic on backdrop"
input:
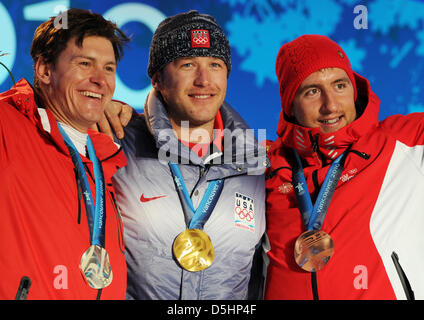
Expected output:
(258, 28)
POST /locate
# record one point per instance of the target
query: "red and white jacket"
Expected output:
(376, 216)
(43, 224)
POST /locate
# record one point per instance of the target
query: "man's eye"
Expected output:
(84, 63)
(311, 92)
(110, 69)
(341, 86)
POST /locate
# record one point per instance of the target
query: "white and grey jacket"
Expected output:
(153, 215)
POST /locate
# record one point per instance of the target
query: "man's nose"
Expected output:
(98, 77)
(202, 77)
(329, 102)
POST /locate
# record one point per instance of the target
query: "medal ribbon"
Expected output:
(196, 219)
(96, 213)
(313, 215)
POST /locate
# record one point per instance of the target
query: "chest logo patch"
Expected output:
(244, 212)
(285, 188)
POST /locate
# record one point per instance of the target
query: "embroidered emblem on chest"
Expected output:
(285, 188)
(244, 212)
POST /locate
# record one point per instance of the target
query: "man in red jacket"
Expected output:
(61, 235)
(344, 192)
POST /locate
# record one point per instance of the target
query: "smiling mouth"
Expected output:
(330, 121)
(201, 96)
(91, 94)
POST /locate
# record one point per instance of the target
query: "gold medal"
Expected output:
(95, 267)
(194, 250)
(313, 249)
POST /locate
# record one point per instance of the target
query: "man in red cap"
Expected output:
(344, 204)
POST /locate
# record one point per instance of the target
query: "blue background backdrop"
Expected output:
(389, 51)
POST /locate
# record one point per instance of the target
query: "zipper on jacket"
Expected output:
(403, 279)
(119, 222)
(202, 172)
(316, 183)
(314, 141)
(23, 289)
(314, 274)
(314, 285)
(363, 155)
(79, 195)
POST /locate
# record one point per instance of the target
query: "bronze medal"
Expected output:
(313, 249)
(95, 267)
(194, 250)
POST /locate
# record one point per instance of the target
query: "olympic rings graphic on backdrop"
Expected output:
(244, 214)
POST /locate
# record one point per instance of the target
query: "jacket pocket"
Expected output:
(403, 278)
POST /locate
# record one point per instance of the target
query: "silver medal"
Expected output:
(95, 267)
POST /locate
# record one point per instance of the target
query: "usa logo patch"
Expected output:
(200, 39)
(244, 212)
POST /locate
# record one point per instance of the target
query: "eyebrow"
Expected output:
(91, 59)
(342, 79)
(315, 85)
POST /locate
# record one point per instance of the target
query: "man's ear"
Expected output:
(157, 81)
(43, 71)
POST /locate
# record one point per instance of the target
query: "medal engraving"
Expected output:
(313, 249)
(95, 267)
(194, 250)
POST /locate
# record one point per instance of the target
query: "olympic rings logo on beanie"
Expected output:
(303, 56)
(200, 38)
(188, 34)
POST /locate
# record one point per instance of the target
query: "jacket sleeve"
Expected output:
(408, 129)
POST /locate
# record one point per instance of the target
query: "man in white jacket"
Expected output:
(193, 194)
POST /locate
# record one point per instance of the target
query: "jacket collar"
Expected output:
(22, 97)
(316, 147)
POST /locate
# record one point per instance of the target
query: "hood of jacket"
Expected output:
(317, 148)
(241, 150)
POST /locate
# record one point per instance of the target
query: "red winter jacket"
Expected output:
(42, 233)
(375, 217)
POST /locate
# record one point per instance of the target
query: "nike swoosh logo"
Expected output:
(144, 199)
